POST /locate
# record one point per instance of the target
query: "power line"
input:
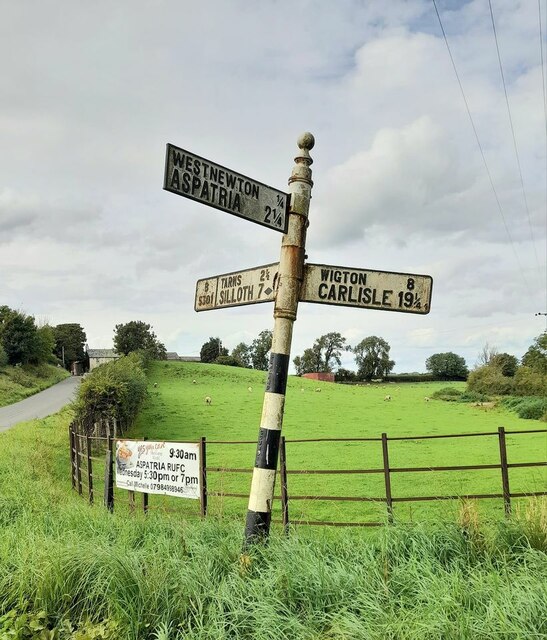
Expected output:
(479, 144)
(513, 132)
(545, 117)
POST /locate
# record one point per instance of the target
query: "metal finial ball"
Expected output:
(306, 141)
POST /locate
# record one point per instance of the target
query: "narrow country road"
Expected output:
(41, 404)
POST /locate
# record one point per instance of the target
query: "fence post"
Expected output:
(78, 467)
(504, 472)
(387, 479)
(203, 474)
(72, 464)
(89, 469)
(131, 495)
(284, 492)
(109, 478)
(145, 495)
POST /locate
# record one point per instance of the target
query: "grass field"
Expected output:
(70, 571)
(176, 411)
(17, 383)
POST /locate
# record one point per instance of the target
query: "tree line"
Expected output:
(373, 360)
(23, 341)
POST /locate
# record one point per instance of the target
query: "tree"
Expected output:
(322, 356)
(242, 353)
(260, 350)
(372, 358)
(44, 345)
(447, 366)
(506, 363)
(309, 362)
(485, 355)
(18, 335)
(536, 356)
(138, 336)
(70, 339)
(331, 346)
(212, 349)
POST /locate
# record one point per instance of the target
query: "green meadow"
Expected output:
(176, 410)
(74, 571)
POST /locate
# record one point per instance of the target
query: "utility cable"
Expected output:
(480, 146)
(513, 133)
(545, 117)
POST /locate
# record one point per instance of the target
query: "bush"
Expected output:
(490, 380)
(511, 402)
(345, 375)
(113, 390)
(3, 357)
(529, 382)
(411, 377)
(449, 394)
(532, 408)
(228, 361)
(473, 396)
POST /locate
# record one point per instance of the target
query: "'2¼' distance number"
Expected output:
(273, 216)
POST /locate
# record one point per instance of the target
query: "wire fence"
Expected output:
(91, 452)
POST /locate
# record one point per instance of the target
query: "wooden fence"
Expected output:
(83, 461)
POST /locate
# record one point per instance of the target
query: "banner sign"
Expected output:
(168, 468)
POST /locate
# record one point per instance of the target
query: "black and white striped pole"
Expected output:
(290, 277)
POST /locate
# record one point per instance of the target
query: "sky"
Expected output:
(91, 93)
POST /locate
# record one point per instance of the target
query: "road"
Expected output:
(39, 405)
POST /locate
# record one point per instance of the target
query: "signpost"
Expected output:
(286, 283)
(249, 286)
(367, 289)
(191, 176)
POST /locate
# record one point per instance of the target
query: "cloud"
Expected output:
(88, 235)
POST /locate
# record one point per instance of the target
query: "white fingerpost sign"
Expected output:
(367, 288)
(249, 286)
(168, 468)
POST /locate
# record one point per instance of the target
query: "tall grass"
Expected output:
(156, 577)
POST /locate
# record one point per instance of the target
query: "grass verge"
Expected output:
(18, 383)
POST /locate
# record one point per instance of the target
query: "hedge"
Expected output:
(113, 390)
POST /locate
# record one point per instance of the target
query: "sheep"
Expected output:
(250, 389)
(318, 390)
(193, 382)
(208, 400)
(301, 389)
(388, 397)
(155, 384)
(427, 399)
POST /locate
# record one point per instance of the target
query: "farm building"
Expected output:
(323, 376)
(173, 355)
(100, 356)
